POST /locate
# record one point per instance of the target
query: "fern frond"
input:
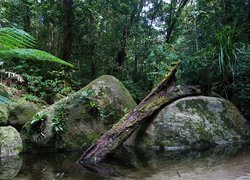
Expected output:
(15, 38)
(16, 43)
(32, 54)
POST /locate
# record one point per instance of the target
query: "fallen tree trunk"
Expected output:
(164, 93)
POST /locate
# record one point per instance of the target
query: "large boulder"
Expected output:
(193, 122)
(77, 120)
(10, 166)
(20, 112)
(17, 112)
(10, 141)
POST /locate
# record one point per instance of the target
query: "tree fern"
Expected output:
(32, 54)
(16, 38)
(16, 43)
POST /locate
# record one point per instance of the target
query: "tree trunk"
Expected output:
(248, 19)
(68, 29)
(26, 16)
(173, 20)
(164, 93)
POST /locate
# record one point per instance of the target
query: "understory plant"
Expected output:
(19, 45)
(16, 43)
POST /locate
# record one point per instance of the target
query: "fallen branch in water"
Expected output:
(166, 92)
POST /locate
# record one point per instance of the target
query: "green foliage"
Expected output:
(158, 61)
(46, 89)
(129, 39)
(32, 54)
(136, 89)
(57, 121)
(199, 68)
(226, 49)
(38, 118)
(14, 43)
(57, 125)
(216, 35)
(93, 107)
(242, 81)
(11, 38)
(31, 98)
(38, 124)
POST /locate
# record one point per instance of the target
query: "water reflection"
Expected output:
(53, 166)
(10, 166)
(229, 162)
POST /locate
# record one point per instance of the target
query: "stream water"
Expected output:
(231, 162)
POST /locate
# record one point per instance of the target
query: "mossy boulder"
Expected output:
(193, 122)
(3, 91)
(17, 112)
(10, 166)
(77, 120)
(20, 112)
(10, 141)
(4, 115)
(9, 92)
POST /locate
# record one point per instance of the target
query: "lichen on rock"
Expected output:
(10, 166)
(3, 91)
(10, 141)
(4, 115)
(20, 112)
(78, 119)
(193, 122)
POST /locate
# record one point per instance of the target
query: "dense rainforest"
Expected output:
(135, 41)
(143, 88)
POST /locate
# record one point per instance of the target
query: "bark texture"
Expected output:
(164, 93)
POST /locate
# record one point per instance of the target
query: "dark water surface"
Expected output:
(231, 162)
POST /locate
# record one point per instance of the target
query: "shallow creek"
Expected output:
(230, 162)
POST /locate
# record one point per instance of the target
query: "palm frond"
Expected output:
(16, 43)
(15, 38)
(32, 54)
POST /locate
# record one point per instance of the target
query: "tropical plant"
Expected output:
(16, 43)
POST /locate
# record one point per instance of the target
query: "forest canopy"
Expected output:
(135, 41)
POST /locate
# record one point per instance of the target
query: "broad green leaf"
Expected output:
(15, 38)
(32, 54)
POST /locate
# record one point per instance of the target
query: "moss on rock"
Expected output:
(3, 91)
(10, 141)
(10, 166)
(20, 112)
(78, 119)
(4, 115)
(194, 122)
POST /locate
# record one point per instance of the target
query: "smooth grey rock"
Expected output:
(193, 122)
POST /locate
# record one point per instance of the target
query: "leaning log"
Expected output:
(166, 92)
